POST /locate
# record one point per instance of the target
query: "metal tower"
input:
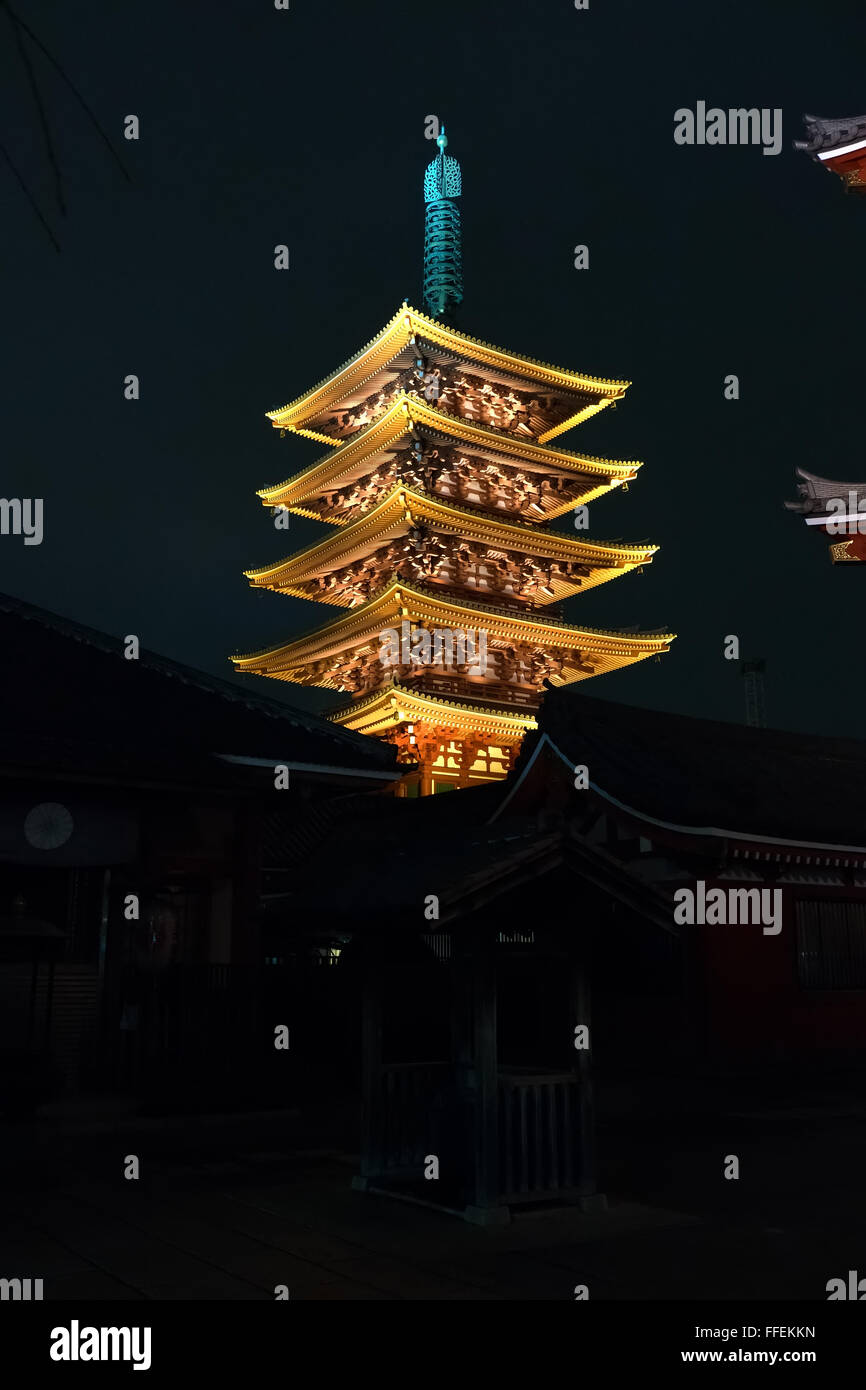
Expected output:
(753, 681)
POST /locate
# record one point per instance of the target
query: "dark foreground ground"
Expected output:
(229, 1207)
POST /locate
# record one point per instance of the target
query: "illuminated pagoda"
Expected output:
(839, 146)
(437, 486)
(836, 509)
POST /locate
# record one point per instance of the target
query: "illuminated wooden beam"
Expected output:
(403, 508)
(407, 325)
(328, 474)
(397, 706)
(362, 629)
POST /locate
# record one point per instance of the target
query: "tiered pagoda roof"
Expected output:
(580, 477)
(438, 483)
(586, 651)
(407, 532)
(389, 357)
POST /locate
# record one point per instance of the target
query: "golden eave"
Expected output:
(388, 709)
(364, 625)
(326, 473)
(394, 338)
(402, 505)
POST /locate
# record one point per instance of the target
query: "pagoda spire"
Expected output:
(443, 257)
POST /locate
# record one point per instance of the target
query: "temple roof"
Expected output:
(349, 461)
(395, 338)
(753, 784)
(76, 707)
(398, 704)
(447, 842)
(397, 600)
(815, 492)
(791, 788)
(831, 136)
(403, 508)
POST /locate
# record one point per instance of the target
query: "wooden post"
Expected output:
(580, 1001)
(485, 1209)
(246, 885)
(427, 747)
(372, 1099)
(461, 1008)
(427, 777)
(461, 1147)
(470, 746)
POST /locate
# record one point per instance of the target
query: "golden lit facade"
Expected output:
(437, 489)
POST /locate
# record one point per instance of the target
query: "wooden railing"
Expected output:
(52, 1009)
(540, 1152)
(539, 1135)
(435, 684)
(409, 1101)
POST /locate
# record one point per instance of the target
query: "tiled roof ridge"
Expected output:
(824, 133)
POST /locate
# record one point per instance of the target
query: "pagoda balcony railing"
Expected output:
(497, 693)
(515, 605)
(494, 605)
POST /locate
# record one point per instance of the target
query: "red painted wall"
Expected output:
(755, 1003)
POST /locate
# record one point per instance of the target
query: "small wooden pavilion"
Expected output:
(834, 509)
(473, 955)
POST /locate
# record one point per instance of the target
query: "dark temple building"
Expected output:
(837, 510)
(840, 146)
(133, 817)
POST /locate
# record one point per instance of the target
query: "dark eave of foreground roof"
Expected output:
(393, 854)
(705, 773)
(69, 694)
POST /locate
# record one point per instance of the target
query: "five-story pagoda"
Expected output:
(445, 582)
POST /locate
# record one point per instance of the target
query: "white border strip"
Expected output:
(843, 149)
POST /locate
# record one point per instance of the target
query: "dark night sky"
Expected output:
(306, 127)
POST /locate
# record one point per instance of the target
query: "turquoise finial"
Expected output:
(443, 269)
